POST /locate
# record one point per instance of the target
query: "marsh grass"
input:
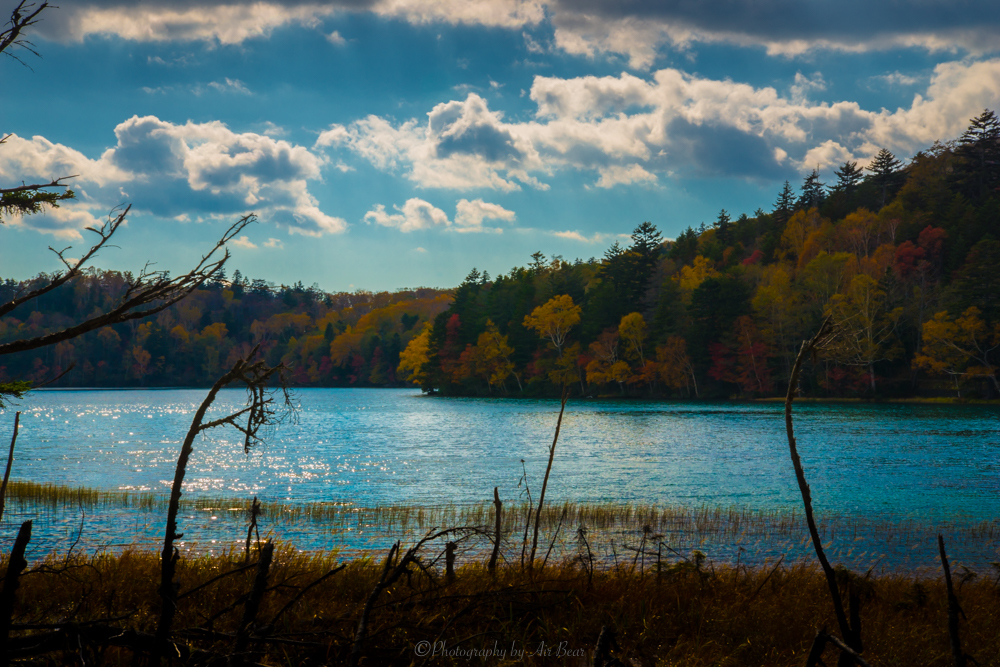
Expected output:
(684, 614)
(695, 522)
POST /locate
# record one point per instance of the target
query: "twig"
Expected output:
(15, 565)
(259, 414)
(253, 602)
(298, 596)
(545, 481)
(498, 507)
(10, 461)
(953, 609)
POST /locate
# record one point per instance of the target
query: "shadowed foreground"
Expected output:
(103, 609)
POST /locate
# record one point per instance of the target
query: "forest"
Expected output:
(900, 257)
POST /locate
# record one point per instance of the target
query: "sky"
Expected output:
(386, 144)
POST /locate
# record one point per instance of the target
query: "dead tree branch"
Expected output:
(259, 414)
(545, 481)
(10, 461)
(822, 337)
(953, 609)
(150, 292)
(15, 565)
(23, 16)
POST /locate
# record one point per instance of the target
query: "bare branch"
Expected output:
(105, 232)
(260, 414)
(23, 16)
(151, 292)
(38, 186)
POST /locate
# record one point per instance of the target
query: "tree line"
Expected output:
(902, 259)
(324, 339)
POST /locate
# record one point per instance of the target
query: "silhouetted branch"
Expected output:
(260, 413)
(953, 609)
(15, 565)
(809, 347)
(10, 461)
(545, 481)
(151, 292)
(24, 15)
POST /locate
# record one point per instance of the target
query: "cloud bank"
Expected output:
(635, 30)
(176, 171)
(633, 130)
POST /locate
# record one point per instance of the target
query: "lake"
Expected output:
(933, 464)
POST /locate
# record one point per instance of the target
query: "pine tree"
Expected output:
(980, 145)
(848, 177)
(885, 172)
(813, 192)
(724, 228)
(783, 205)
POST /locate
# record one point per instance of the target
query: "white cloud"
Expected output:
(336, 39)
(896, 79)
(230, 86)
(244, 242)
(616, 175)
(274, 243)
(630, 130)
(170, 170)
(596, 237)
(420, 250)
(413, 215)
(469, 215)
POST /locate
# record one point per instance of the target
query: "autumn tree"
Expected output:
(675, 365)
(963, 346)
(866, 325)
(605, 366)
(553, 320)
(492, 358)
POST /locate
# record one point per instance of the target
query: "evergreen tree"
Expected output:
(642, 257)
(885, 170)
(783, 206)
(813, 192)
(685, 247)
(980, 146)
(848, 177)
(723, 228)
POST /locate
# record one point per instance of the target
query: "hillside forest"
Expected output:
(903, 258)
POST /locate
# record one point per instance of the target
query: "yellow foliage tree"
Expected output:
(693, 276)
(963, 346)
(554, 319)
(413, 359)
(492, 360)
(675, 365)
(865, 324)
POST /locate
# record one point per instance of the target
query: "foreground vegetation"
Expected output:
(682, 614)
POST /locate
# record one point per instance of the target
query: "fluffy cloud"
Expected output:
(244, 242)
(173, 170)
(464, 145)
(636, 30)
(628, 130)
(469, 215)
(413, 215)
(418, 214)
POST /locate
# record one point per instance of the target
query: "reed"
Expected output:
(689, 615)
(694, 522)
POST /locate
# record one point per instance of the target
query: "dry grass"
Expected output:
(685, 614)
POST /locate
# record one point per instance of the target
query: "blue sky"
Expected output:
(394, 143)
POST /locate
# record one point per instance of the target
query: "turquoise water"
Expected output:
(925, 462)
